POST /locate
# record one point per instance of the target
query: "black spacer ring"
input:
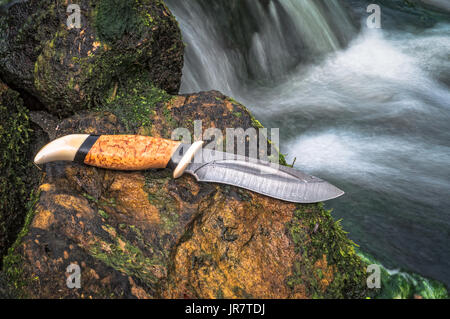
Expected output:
(85, 148)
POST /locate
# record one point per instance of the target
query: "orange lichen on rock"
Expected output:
(324, 273)
(43, 219)
(237, 250)
(176, 102)
(132, 200)
(130, 152)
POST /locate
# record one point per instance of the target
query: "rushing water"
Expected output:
(368, 110)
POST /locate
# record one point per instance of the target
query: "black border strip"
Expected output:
(282, 308)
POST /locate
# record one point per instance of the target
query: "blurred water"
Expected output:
(231, 43)
(375, 120)
(369, 112)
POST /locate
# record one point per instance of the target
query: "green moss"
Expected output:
(170, 121)
(107, 69)
(404, 285)
(114, 18)
(121, 24)
(281, 158)
(104, 214)
(135, 102)
(219, 294)
(12, 262)
(125, 257)
(315, 234)
(15, 136)
(90, 198)
(241, 293)
(138, 234)
(124, 48)
(256, 123)
(156, 188)
(28, 33)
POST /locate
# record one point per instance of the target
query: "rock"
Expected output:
(145, 235)
(139, 234)
(6, 291)
(18, 177)
(72, 69)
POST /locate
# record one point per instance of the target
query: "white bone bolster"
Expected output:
(187, 159)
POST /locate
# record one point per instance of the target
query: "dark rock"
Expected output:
(71, 69)
(6, 291)
(19, 140)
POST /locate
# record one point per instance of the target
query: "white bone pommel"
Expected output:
(62, 149)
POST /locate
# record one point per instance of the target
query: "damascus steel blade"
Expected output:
(262, 177)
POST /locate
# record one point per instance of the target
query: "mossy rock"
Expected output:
(18, 139)
(72, 69)
(146, 235)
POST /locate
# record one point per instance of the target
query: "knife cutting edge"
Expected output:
(135, 152)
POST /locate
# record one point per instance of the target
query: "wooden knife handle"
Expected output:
(126, 152)
(120, 152)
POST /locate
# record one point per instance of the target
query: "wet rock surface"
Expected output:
(145, 235)
(19, 140)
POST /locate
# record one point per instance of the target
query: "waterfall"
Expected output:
(231, 43)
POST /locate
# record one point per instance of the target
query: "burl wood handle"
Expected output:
(120, 152)
(126, 152)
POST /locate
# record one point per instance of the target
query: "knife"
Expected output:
(135, 152)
